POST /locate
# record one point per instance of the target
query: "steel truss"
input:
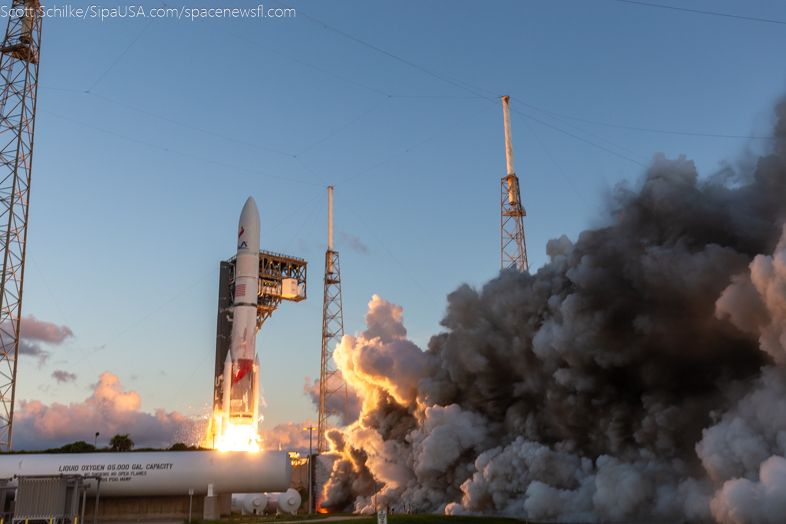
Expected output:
(514, 246)
(19, 56)
(333, 395)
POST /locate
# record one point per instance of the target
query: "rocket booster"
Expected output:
(244, 389)
(244, 323)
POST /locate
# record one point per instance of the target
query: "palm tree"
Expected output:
(121, 443)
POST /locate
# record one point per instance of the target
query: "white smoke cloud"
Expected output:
(311, 390)
(762, 501)
(382, 357)
(639, 376)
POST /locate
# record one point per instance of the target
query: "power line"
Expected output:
(457, 83)
(444, 78)
(768, 20)
(314, 212)
(188, 126)
(122, 55)
(57, 305)
(155, 419)
(235, 140)
(132, 326)
(295, 212)
(559, 168)
(311, 171)
(169, 150)
(293, 58)
(390, 253)
(631, 128)
(578, 138)
(413, 147)
(588, 133)
(345, 126)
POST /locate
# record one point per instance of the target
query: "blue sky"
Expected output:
(138, 184)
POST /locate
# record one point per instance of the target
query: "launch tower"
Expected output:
(333, 397)
(19, 69)
(514, 246)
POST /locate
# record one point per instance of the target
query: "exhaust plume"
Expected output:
(639, 375)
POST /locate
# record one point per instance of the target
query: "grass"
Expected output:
(357, 519)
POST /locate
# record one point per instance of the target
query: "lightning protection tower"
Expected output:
(514, 246)
(19, 55)
(333, 398)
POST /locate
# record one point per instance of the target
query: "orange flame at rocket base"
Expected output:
(239, 437)
(236, 437)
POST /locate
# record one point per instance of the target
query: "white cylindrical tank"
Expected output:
(287, 502)
(161, 473)
(249, 503)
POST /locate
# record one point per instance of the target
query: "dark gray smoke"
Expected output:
(640, 375)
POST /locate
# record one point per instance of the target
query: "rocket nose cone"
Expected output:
(250, 206)
(250, 209)
(250, 213)
(248, 228)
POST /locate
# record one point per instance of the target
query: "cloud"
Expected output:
(34, 350)
(290, 437)
(110, 410)
(354, 243)
(38, 330)
(63, 376)
(34, 332)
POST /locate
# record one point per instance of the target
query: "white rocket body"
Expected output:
(244, 391)
(244, 324)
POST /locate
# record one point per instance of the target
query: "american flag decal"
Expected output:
(240, 290)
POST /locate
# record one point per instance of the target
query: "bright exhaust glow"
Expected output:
(239, 437)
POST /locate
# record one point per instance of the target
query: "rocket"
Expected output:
(241, 367)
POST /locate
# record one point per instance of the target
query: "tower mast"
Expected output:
(19, 55)
(333, 398)
(514, 246)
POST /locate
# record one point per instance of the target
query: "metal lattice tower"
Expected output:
(19, 55)
(513, 243)
(333, 396)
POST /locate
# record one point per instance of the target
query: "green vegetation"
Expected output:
(121, 443)
(76, 447)
(181, 446)
(357, 519)
(448, 519)
(83, 447)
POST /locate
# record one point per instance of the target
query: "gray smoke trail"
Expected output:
(637, 376)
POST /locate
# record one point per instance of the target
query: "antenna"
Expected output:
(514, 247)
(333, 396)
